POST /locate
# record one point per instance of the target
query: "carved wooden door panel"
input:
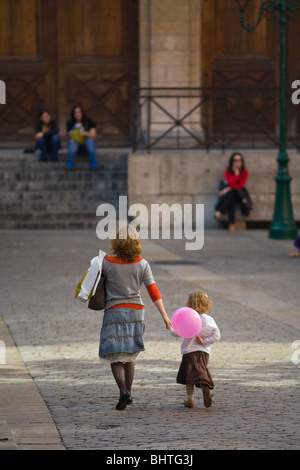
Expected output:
(27, 64)
(293, 73)
(234, 59)
(98, 64)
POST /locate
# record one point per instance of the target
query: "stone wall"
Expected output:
(170, 57)
(193, 177)
(173, 48)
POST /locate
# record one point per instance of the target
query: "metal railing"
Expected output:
(207, 118)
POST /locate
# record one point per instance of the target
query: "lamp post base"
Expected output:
(283, 226)
(281, 231)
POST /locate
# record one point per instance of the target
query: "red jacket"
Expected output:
(236, 181)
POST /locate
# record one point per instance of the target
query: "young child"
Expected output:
(193, 370)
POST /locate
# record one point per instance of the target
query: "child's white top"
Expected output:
(210, 333)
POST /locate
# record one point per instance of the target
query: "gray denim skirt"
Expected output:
(122, 334)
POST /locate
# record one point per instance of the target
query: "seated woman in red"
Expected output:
(233, 191)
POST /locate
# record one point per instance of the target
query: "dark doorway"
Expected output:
(54, 54)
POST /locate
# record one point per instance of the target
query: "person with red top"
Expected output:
(122, 331)
(233, 191)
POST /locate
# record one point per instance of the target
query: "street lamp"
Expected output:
(283, 226)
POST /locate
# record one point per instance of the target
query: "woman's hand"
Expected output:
(160, 307)
(91, 134)
(168, 323)
(224, 191)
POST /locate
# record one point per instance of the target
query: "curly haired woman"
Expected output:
(121, 338)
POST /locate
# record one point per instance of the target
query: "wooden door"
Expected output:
(293, 73)
(57, 53)
(98, 64)
(27, 65)
(233, 60)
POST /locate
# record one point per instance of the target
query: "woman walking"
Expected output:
(121, 338)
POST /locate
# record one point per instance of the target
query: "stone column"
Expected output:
(170, 54)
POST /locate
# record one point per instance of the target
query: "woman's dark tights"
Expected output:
(123, 374)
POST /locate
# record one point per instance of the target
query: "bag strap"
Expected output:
(101, 257)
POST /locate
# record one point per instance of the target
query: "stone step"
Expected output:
(31, 174)
(46, 215)
(49, 220)
(78, 224)
(116, 157)
(62, 186)
(42, 170)
(44, 195)
(53, 207)
(107, 163)
(57, 197)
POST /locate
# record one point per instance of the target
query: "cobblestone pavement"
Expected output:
(254, 288)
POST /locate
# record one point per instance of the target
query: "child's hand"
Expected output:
(199, 340)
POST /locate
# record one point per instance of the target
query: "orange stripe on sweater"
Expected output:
(115, 260)
(135, 306)
(153, 292)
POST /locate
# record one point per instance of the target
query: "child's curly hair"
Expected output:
(199, 301)
(126, 244)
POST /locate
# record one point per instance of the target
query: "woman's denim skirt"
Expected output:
(122, 332)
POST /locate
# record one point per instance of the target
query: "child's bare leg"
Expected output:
(190, 391)
(190, 396)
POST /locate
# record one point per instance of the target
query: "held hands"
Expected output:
(168, 323)
(160, 307)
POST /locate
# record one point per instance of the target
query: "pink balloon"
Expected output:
(186, 322)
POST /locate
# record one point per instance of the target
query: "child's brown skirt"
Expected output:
(193, 370)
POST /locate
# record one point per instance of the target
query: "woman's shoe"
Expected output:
(129, 400)
(121, 405)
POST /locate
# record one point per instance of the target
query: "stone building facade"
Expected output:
(114, 55)
(200, 43)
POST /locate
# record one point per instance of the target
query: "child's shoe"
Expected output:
(189, 404)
